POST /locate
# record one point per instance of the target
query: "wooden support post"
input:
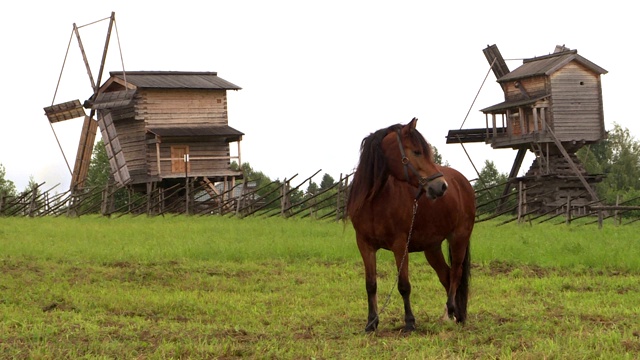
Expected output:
(573, 166)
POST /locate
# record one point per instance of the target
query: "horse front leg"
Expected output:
(404, 287)
(369, 259)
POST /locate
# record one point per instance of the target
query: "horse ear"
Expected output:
(412, 124)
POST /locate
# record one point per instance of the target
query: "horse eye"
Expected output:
(417, 152)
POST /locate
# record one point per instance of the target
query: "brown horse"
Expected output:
(388, 211)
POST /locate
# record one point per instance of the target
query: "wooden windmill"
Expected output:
(552, 106)
(74, 109)
(159, 128)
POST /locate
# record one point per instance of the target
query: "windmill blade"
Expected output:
(85, 150)
(64, 111)
(119, 168)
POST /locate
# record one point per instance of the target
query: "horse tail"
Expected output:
(462, 293)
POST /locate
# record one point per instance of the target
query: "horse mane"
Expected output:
(372, 171)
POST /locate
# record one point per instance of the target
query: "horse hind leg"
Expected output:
(436, 259)
(458, 294)
(369, 259)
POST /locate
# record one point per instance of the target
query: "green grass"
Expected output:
(211, 287)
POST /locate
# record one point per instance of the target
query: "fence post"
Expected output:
(617, 213)
(568, 220)
(285, 201)
(600, 219)
(519, 202)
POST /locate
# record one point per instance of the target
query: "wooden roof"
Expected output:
(172, 80)
(501, 107)
(194, 131)
(548, 64)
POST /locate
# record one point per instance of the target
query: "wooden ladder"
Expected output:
(210, 188)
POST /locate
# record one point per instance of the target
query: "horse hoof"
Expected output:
(446, 316)
(409, 328)
(371, 327)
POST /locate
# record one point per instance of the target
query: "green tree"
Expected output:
(250, 174)
(618, 157)
(32, 192)
(487, 187)
(7, 187)
(437, 158)
(99, 168)
(99, 175)
(327, 182)
(312, 189)
(266, 188)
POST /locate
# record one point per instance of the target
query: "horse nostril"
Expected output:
(444, 187)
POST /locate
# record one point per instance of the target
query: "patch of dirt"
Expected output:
(495, 268)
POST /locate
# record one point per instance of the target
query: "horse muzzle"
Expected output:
(434, 186)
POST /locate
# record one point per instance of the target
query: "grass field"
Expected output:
(211, 287)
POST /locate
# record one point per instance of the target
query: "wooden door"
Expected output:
(178, 153)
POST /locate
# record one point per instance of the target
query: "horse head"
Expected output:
(410, 159)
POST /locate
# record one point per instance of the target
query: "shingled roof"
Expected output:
(175, 80)
(548, 64)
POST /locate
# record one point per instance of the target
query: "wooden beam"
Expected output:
(517, 163)
(85, 150)
(84, 57)
(573, 166)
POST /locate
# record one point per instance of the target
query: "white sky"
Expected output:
(317, 77)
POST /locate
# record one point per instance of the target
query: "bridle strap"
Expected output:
(423, 181)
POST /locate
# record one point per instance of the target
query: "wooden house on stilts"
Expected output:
(552, 106)
(163, 128)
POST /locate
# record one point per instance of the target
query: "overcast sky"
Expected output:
(316, 77)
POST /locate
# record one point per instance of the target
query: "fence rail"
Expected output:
(284, 198)
(281, 198)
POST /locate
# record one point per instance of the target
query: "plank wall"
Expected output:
(576, 104)
(131, 134)
(161, 107)
(209, 158)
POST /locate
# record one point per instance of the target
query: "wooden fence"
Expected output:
(516, 207)
(277, 198)
(282, 198)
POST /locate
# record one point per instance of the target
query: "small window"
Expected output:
(581, 82)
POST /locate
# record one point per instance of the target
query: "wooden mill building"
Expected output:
(552, 106)
(162, 127)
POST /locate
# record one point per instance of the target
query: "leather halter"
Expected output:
(423, 181)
